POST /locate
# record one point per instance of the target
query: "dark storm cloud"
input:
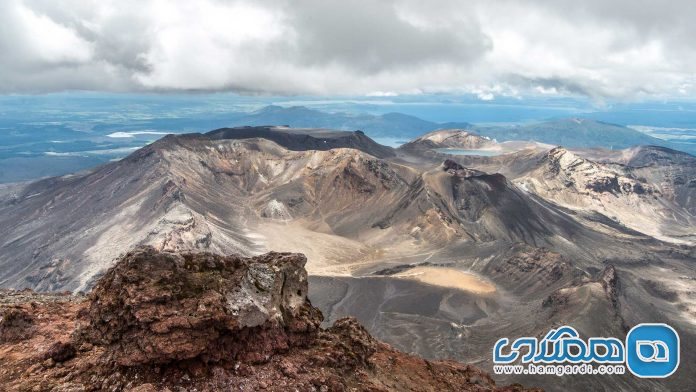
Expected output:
(601, 49)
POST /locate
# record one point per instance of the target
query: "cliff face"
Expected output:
(160, 321)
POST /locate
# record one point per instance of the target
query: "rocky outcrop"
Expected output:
(455, 168)
(610, 282)
(604, 291)
(606, 283)
(587, 175)
(15, 324)
(157, 307)
(530, 270)
(638, 200)
(161, 321)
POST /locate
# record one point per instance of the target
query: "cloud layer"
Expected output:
(602, 49)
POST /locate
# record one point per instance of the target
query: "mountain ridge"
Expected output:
(572, 132)
(354, 215)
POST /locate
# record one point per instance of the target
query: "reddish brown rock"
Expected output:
(15, 324)
(161, 321)
(61, 351)
(161, 307)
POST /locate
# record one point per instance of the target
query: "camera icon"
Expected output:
(652, 350)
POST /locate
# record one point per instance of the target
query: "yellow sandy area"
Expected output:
(448, 277)
(327, 254)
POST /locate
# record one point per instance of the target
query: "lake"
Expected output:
(457, 151)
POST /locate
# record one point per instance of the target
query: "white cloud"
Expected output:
(208, 45)
(596, 48)
(46, 41)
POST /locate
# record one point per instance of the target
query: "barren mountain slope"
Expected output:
(58, 233)
(673, 171)
(449, 138)
(459, 139)
(617, 191)
(403, 243)
(645, 189)
(245, 196)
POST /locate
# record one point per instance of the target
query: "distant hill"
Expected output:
(567, 132)
(35, 151)
(575, 133)
(449, 138)
(303, 139)
(396, 125)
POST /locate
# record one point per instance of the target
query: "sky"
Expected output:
(616, 50)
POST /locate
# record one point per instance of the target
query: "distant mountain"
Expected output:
(575, 133)
(234, 190)
(386, 125)
(302, 139)
(449, 138)
(52, 150)
(567, 132)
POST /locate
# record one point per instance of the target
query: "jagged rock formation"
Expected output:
(613, 190)
(606, 286)
(157, 307)
(674, 171)
(531, 271)
(165, 321)
(477, 207)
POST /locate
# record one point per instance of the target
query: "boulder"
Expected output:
(158, 307)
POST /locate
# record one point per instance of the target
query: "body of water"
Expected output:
(458, 151)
